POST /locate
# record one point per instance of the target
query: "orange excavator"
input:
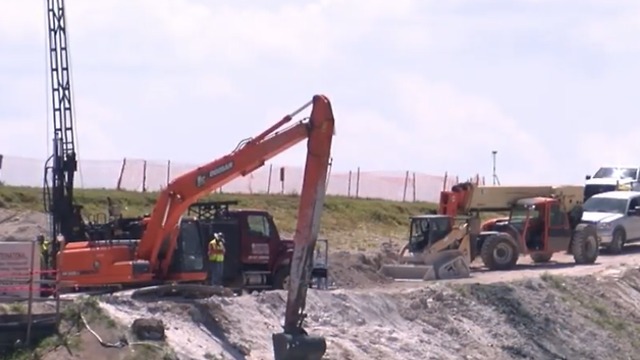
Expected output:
(140, 250)
(119, 257)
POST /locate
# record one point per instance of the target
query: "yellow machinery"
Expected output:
(542, 220)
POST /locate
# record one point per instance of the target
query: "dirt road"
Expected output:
(562, 264)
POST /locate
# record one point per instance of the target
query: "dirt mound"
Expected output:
(17, 225)
(360, 269)
(540, 318)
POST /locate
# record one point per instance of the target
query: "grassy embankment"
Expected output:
(348, 223)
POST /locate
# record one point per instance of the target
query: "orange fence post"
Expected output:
(144, 176)
(269, 180)
(168, 172)
(406, 185)
(282, 180)
(414, 187)
(119, 183)
(358, 183)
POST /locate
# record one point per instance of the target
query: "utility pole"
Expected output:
(496, 181)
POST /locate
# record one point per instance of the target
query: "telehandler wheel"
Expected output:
(540, 258)
(499, 252)
(585, 246)
(281, 279)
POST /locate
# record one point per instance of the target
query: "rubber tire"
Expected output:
(490, 244)
(617, 242)
(579, 246)
(280, 277)
(541, 258)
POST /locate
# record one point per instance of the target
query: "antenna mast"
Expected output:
(496, 181)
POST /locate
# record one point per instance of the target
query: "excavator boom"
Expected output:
(294, 343)
(250, 154)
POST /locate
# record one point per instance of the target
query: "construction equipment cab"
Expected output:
(256, 256)
(428, 229)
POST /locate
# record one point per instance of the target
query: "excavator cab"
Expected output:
(189, 256)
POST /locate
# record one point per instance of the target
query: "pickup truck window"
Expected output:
(635, 202)
(616, 173)
(259, 225)
(605, 205)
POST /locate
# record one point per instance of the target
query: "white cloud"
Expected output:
(614, 32)
(184, 79)
(447, 129)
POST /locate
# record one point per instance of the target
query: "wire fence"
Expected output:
(143, 175)
(24, 282)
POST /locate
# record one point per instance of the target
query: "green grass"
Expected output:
(347, 222)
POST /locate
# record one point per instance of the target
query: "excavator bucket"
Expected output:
(298, 347)
(447, 264)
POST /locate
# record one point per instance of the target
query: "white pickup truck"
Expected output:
(612, 178)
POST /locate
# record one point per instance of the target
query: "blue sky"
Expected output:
(425, 85)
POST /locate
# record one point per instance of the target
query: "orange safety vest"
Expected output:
(216, 251)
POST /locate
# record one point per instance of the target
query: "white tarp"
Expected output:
(15, 266)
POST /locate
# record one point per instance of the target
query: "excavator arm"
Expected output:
(294, 343)
(161, 228)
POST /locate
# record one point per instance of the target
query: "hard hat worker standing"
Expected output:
(216, 259)
(44, 244)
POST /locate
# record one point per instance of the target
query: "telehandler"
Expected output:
(542, 220)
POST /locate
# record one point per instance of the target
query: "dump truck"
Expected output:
(541, 221)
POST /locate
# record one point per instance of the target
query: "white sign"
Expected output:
(15, 265)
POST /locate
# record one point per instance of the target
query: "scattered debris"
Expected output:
(148, 329)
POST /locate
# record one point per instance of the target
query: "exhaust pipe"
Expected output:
(298, 347)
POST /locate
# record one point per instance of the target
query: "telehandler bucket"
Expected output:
(298, 347)
(446, 264)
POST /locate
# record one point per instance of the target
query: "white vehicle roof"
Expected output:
(617, 194)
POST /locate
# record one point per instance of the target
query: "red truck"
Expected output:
(256, 256)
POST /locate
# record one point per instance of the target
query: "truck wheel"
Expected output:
(281, 279)
(540, 258)
(617, 242)
(585, 247)
(499, 252)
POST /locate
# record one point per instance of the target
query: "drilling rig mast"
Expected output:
(62, 165)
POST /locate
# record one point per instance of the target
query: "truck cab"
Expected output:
(612, 178)
(256, 256)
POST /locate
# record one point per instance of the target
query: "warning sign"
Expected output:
(15, 267)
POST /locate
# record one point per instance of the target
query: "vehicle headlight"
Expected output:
(604, 226)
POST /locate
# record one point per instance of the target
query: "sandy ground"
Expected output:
(552, 311)
(18, 225)
(591, 312)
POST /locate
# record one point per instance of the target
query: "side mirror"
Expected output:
(587, 177)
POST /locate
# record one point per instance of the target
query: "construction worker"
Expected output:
(216, 259)
(45, 245)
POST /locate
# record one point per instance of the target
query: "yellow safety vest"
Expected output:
(216, 251)
(45, 246)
